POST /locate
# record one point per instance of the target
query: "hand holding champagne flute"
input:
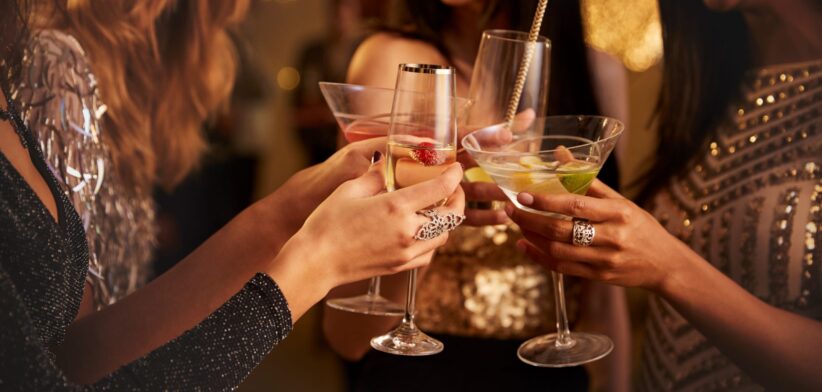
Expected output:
(422, 143)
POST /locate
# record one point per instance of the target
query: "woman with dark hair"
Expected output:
(210, 320)
(480, 297)
(730, 244)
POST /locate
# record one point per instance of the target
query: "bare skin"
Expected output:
(349, 334)
(777, 348)
(332, 247)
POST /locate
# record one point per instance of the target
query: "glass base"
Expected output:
(407, 340)
(543, 351)
(374, 305)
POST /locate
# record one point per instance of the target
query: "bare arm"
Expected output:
(610, 82)
(777, 348)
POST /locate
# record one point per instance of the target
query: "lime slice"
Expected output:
(577, 182)
(476, 174)
(531, 161)
(534, 162)
(522, 181)
(549, 186)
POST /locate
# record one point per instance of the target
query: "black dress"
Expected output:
(43, 265)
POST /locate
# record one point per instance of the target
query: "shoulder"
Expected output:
(377, 58)
(55, 64)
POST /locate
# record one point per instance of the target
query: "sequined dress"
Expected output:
(60, 102)
(43, 265)
(750, 205)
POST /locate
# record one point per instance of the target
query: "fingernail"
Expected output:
(525, 198)
(509, 209)
(521, 246)
(376, 157)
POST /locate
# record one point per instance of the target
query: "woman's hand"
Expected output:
(359, 232)
(304, 191)
(630, 248)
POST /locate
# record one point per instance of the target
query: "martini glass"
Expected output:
(562, 154)
(364, 112)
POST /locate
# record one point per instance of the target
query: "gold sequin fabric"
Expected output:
(60, 103)
(479, 285)
(751, 207)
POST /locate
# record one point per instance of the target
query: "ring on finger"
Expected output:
(437, 224)
(583, 233)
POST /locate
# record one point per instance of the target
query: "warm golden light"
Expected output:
(628, 30)
(288, 78)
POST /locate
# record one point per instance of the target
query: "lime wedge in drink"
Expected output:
(577, 182)
(476, 174)
(549, 186)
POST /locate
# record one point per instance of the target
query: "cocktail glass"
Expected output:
(562, 154)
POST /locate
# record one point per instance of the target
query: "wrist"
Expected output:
(678, 272)
(298, 270)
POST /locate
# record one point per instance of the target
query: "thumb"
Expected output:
(368, 184)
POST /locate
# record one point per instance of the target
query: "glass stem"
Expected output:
(374, 287)
(564, 339)
(410, 298)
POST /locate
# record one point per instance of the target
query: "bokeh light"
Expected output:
(288, 78)
(630, 31)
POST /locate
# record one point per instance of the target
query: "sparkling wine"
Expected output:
(410, 164)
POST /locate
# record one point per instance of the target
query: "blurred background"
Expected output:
(278, 124)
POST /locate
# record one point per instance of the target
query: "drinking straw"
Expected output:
(526, 62)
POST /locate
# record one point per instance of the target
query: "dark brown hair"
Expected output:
(706, 55)
(13, 38)
(563, 23)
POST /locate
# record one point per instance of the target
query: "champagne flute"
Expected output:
(498, 61)
(364, 112)
(422, 143)
(563, 154)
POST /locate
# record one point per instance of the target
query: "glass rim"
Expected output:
(620, 128)
(358, 87)
(434, 69)
(513, 36)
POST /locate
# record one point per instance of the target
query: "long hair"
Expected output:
(706, 55)
(563, 23)
(13, 39)
(163, 66)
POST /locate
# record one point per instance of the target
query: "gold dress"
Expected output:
(751, 207)
(479, 285)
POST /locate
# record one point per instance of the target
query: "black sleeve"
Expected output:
(217, 354)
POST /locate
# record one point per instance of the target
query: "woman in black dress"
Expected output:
(212, 318)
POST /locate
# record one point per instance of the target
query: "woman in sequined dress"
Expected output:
(116, 92)
(209, 321)
(480, 296)
(731, 244)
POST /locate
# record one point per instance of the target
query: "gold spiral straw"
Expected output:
(526, 62)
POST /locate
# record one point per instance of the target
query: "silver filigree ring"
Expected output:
(437, 224)
(584, 232)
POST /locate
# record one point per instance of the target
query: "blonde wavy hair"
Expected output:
(163, 66)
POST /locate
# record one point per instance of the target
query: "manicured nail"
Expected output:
(376, 157)
(525, 198)
(509, 209)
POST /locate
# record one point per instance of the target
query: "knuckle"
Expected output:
(577, 206)
(393, 207)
